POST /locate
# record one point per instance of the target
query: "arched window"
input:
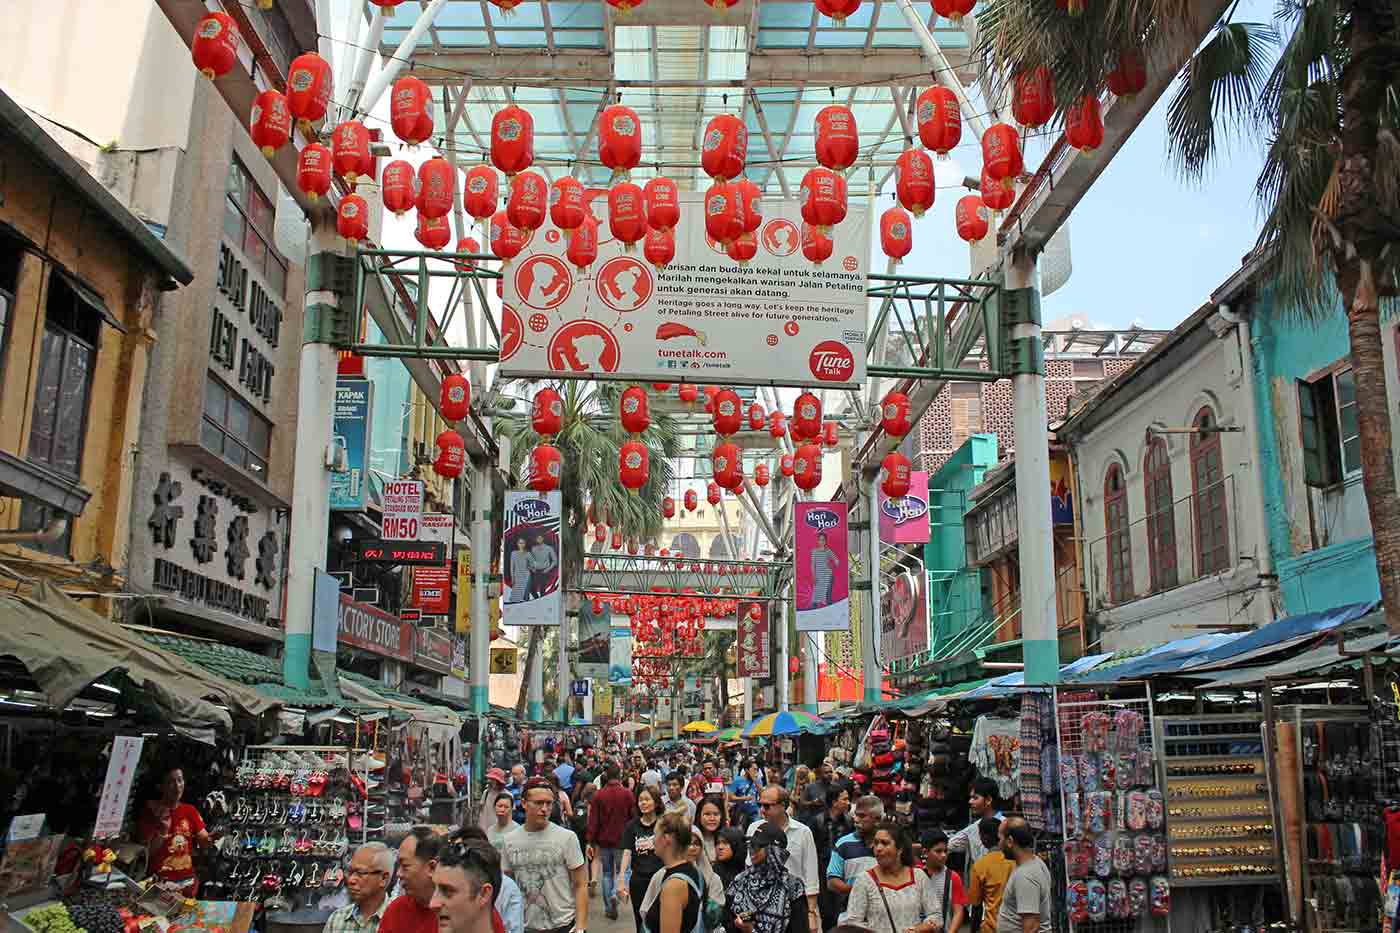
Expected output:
(1161, 521)
(1208, 497)
(1119, 538)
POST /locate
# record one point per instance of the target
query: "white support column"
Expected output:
(562, 680)
(870, 621)
(480, 659)
(363, 60)
(534, 700)
(746, 684)
(784, 678)
(386, 76)
(809, 671)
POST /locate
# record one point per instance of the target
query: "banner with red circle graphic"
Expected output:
(777, 319)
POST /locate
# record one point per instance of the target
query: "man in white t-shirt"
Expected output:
(547, 863)
(801, 847)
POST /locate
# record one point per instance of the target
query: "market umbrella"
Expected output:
(785, 723)
(699, 725)
(727, 735)
(631, 727)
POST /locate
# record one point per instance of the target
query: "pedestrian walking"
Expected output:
(638, 846)
(893, 896)
(608, 816)
(545, 860)
(766, 897)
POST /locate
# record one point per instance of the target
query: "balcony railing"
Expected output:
(1193, 539)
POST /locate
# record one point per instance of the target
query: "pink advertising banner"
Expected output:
(821, 567)
(905, 520)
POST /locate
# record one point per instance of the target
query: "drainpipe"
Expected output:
(1264, 555)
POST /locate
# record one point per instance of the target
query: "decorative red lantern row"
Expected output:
(627, 219)
(692, 500)
(971, 218)
(546, 467)
(566, 203)
(761, 474)
(806, 417)
(1084, 124)
(633, 466)
(724, 147)
(777, 424)
(668, 507)
(894, 414)
(583, 244)
(712, 493)
(838, 140)
(913, 181)
(411, 110)
(1130, 77)
(894, 475)
(823, 198)
(663, 203)
(308, 88)
(1033, 97)
(397, 187)
(659, 247)
(757, 416)
(547, 420)
(528, 201)
(939, 119)
(214, 47)
(619, 140)
(506, 240)
(1001, 153)
(451, 456)
(352, 218)
(270, 123)
(728, 464)
(481, 193)
(314, 170)
(954, 10)
(437, 187)
(996, 196)
(816, 245)
(632, 410)
(896, 233)
(807, 467)
(455, 398)
(433, 232)
(350, 149)
(512, 140)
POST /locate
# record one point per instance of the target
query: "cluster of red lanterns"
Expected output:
(895, 469)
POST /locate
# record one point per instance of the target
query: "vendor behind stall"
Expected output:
(171, 829)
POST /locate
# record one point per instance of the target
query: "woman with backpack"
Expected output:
(676, 900)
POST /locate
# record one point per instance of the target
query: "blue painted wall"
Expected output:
(955, 590)
(1286, 349)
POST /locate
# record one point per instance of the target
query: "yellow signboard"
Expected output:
(602, 699)
(464, 591)
(504, 660)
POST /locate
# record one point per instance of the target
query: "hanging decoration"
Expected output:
(1130, 77)
(314, 170)
(728, 412)
(838, 11)
(270, 123)
(1001, 153)
(896, 233)
(687, 393)
(529, 198)
(1084, 124)
(838, 140)
(659, 247)
(470, 247)
(953, 10)
(455, 397)
(481, 193)
(761, 475)
(411, 110)
(712, 493)
(742, 248)
(816, 245)
(996, 196)
(668, 507)
(512, 140)
(1033, 97)
(724, 147)
(616, 543)
(913, 181)
(619, 140)
(633, 467)
(894, 414)
(627, 218)
(352, 219)
(722, 221)
(566, 203)
(728, 464)
(506, 240)
(433, 232)
(823, 198)
(663, 203)
(807, 467)
(1072, 7)
(894, 475)
(546, 467)
(748, 199)
(939, 119)
(214, 47)
(777, 425)
(547, 418)
(806, 417)
(437, 187)
(757, 416)
(308, 88)
(972, 218)
(398, 187)
(451, 455)
(583, 244)
(830, 437)
(786, 465)
(632, 410)
(692, 501)
(350, 149)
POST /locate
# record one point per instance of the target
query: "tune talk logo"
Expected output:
(831, 361)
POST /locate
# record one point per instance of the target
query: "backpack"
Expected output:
(710, 917)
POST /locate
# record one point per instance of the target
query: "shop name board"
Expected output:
(403, 510)
(226, 347)
(374, 630)
(434, 650)
(197, 588)
(406, 552)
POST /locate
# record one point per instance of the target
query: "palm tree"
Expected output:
(1320, 85)
(590, 441)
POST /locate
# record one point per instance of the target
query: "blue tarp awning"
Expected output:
(1171, 656)
(1017, 681)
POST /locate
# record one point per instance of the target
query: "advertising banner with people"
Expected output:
(821, 567)
(904, 520)
(752, 648)
(704, 317)
(903, 613)
(593, 632)
(530, 590)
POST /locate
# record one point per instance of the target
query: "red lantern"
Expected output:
(619, 139)
(668, 507)
(583, 245)
(481, 195)
(1033, 97)
(506, 240)
(691, 500)
(894, 414)
(777, 424)
(1072, 7)
(971, 218)
(996, 196)
(954, 10)
(760, 474)
(528, 201)
(433, 232)
(749, 198)
(742, 248)
(632, 410)
(270, 123)
(816, 245)
(566, 207)
(1130, 77)
(896, 233)
(1084, 124)
(823, 199)
(437, 187)
(720, 5)
(757, 416)
(659, 247)
(350, 148)
(807, 467)
(314, 170)
(940, 119)
(837, 10)
(687, 393)
(627, 217)
(786, 465)
(712, 493)
(663, 203)
(616, 540)
(661, 386)
(806, 417)
(830, 437)
(600, 533)
(214, 47)
(729, 416)
(547, 414)
(728, 464)
(452, 455)
(512, 140)
(455, 399)
(894, 479)
(308, 87)
(633, 466)
(1001, 153)
(546, 467)
(838, 140)
(722, 220)
(913, 181)
(632, 546)
(724, 147)
(411, 110)
(397, 184)
(352, 218)
(470, 247)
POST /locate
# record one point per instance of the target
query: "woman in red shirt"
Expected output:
(171, 829)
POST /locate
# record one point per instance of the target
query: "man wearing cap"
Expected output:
(801, 847)
(495, 787)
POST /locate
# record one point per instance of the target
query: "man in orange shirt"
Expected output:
(412, 911)
(987, 877)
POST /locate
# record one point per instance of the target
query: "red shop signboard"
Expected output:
(374, 630)
(434, 650)
(432, 590)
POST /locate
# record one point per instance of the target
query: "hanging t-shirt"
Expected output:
(996, 752)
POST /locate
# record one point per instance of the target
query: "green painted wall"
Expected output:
(955, 589)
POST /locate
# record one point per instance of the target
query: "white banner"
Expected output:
(704, 318)
(530, 590)
(116, 789)
(403, 510)
(436, 526)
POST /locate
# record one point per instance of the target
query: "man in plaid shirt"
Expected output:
(366, 880)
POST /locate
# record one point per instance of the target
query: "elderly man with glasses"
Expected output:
(801, 846)
(366, 881)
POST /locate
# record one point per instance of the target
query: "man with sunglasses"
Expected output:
(465, 883)
(546, 860)
(366, 880)
(801, 846)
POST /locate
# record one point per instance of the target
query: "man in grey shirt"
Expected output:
(1025, 902)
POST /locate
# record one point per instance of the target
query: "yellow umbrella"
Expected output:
(699, 725)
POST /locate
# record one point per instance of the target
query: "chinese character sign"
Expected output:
(530, 558)
(116, 789)
(821, 567)
(752, 645)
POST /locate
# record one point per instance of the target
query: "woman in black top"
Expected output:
(638, 845)
(677, 908)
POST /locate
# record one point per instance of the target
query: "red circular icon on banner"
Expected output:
(543, 281)
(791, 328)
(539, 323)
(624, 284)
(849, 263)
(772, 340)
(584, 347)
(781, 237)
(511, 332)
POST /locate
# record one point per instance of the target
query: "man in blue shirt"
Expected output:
(744, 792)
(565, 772)
(516, 788)
(852, 853)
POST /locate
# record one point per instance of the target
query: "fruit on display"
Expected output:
(51, 918)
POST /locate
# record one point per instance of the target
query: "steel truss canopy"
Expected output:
(677, 63)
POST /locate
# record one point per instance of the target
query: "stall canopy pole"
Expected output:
(870, 621)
